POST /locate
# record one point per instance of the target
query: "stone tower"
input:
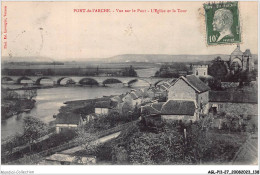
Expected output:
(243, 59)
(248, 61)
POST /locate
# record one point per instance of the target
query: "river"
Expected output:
(49, 101)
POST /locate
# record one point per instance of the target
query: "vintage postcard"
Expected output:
(129, 83)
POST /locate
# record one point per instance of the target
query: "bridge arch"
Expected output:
(38, 81)
(18, 81)
(136, 80)
(111, 81)
(88, 81)
(132, 81)
(62, 78)
(4, 79)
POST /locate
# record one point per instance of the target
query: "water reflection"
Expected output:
(49, 101)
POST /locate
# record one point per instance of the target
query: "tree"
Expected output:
(162, 148)
(86, 139)
(171, 70)
(34, 128)
(218, 69)
(127, 108)
(129, 72)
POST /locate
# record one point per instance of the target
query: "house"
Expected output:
(117, 103)
(190, 88)
(236, 103)
(152, 109)
(165, 86)
(132, 98)
(89, 118)
(64, 122)
(179, 110)
(185, 110)
(154, 92)
(102, 107)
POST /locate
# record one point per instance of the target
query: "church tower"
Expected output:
(244, 59)
(248, 63)
(236, 54)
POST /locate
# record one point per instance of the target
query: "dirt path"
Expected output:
(98, 141)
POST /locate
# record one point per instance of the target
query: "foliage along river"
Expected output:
(49, 101)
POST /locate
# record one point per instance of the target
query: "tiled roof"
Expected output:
(103, 104)
(195, 83)
(167, 84)
(233, 97)
(133, 95)
(117, 99)
(163, 87)
(68, 119)
(150, 110)
(158, 106)
(172, 81)
(178, 107)
(139, 93)
(155, 90)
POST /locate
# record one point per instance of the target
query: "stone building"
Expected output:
(172, 110)
(102, 107)
(241, 61)
(234, 103)
(65, 122)
(183, 110)
(200, 70)
(190, 88)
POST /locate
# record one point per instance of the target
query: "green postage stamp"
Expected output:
(222, 23)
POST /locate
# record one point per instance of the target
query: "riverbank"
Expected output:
(80, 107)
(15, 107)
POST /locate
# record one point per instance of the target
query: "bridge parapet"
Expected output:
(100, 80)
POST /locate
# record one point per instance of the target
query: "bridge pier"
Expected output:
(126, 81)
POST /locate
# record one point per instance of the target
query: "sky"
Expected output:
(54, 30)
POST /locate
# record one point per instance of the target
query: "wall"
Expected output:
(179, 117)
(60, 126)
(181, 90)
(204, 99)
(137, 102)
(101, 110)
(236, 108)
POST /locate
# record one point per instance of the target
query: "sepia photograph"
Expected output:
(129, 83)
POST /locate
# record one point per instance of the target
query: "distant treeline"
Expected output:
(71, 72)
(173, 70)
(34, 63)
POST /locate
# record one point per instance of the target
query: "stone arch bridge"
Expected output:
(84, 80)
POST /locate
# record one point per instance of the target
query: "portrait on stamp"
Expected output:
(222, 23)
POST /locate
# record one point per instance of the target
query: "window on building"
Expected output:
(204, 73)
(220, 106)
(197, 72)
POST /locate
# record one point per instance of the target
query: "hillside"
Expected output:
(166, 58)
(146, 58)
